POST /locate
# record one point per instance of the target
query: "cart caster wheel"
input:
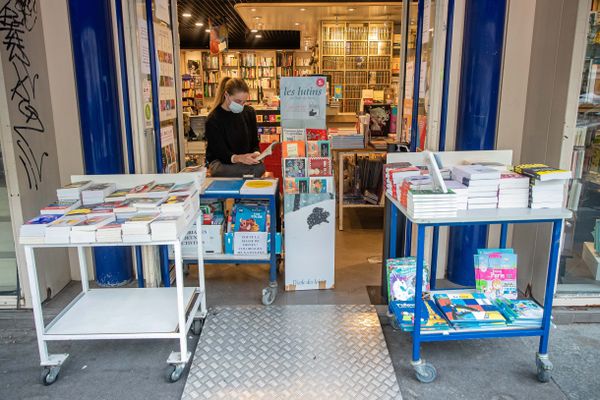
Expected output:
(425, 373)
(175, 372)
(544, 368)
(50, 375)
(268, 295)
(394, 323)
(197, 326)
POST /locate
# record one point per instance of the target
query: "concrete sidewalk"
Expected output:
(500, 369)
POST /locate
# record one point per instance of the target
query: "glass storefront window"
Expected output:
(579, 268)
(8, 260)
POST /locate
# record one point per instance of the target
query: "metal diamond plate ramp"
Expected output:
(292, 352)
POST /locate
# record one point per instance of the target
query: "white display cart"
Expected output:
(123, 313)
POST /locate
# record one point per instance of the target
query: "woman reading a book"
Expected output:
(231, 133)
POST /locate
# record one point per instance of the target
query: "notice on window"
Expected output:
(303, 98)
(166, 72)
(167, 145)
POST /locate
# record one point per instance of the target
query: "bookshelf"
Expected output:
(357, 56)
(230, 64)
(302, 66)
(211, 74)
(191, 90)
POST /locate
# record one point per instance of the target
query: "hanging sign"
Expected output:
(303, 98)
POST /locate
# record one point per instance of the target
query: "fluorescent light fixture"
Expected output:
(253, 30)
(199, 24)
(258, 36)
(187, 15)
(253, 9)
(297, 23)
(303, 9)
(207, 30)
(351, 9)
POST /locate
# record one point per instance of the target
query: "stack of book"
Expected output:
(110, 232)
(432, 319)
(496, 273)
(482, 183)
(140, 190)
(72, 191)
(183, 189)
(432, 203)
(513, 191)
(525, 313)
(167, 227)
(469, 310)
(34, 230)
(118, 196)
(159, 190)
(60, 207)
(462, 193)
(176, 205)
(146, 204)
(85, 231)
(137, 228)
(346, 138)
(421, 182)
(96, 193)
(395, 176)
(59, 231)
(547, 184)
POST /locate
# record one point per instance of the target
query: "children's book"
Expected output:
(313, 149)
(293, 149)
(401, 278)
(431, 317)
(294, 167)
(316, 134)
(292, 134)
(521, 312)
(469, 310)
(225, 186)
(295, 185)
(325, 147)
(319, 166)
(496, 273)
(320, 185)
(250, 218)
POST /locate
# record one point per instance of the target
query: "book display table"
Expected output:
(123, 313)
(425, 372)
(270, 195)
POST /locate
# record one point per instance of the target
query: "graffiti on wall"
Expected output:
(17, 19)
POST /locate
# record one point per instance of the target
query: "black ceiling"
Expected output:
(194, 37)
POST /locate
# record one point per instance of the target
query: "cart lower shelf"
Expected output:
(122, 314)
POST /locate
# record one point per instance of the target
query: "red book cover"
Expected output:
(319, 166)
(316, 134)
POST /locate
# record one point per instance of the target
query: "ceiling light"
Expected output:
(254, 30)
(258, 36)
(296, 23)
(187, 15)
(303, 9)
(199, 24)
(257, 18)
(253, 9)
(351, 9)
(207, 30)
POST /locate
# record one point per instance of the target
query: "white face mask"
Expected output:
(236, 107)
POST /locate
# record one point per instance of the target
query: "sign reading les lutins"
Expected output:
(303, 98)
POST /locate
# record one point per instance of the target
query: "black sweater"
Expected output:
(228, 133)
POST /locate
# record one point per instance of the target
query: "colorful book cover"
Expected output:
(468, 309)
(542, 172)
(161, 187)
(520, 312)
(259, 118)
(272, 118)
(319, 166)
(293, 134)
(293, 149)
(325, 147)
(316, 134)
(172, 200)
(76, 185)
(496, 273)
(312, 148)
(295, 167)
(319, 185)
(402, 276)
(43, 219)
(431, 317)
(250, 218)
(121, 193)
(141, 188)
(295, 185)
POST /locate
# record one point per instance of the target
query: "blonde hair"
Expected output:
(231, 86)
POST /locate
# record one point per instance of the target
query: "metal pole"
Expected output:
(446, 84)
(414, 129)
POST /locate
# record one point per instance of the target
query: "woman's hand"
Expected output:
(248, 158)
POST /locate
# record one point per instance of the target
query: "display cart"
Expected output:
(269, 293)
(122, 313)
(426, 372)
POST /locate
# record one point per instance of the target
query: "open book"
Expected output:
(267, 152)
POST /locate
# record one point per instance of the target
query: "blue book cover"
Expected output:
(225, 186)
(250, 218)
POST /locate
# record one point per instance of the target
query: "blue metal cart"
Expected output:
(425, 372)
(269, 293)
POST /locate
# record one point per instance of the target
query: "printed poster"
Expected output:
(166, 73)
(303, 98)
(144, 49)
(162, 10)
(169, 154)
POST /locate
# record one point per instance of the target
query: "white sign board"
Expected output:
(303, 98)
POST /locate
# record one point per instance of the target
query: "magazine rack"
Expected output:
(122, 313)
(269, 293)
(425, 372)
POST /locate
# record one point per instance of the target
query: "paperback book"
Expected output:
(319, 166)
(295, 185)
(469, 310)
(316, 134)
(496, 273)
(401, 278)
(432, 319)
(542, 172)
(320, 185)
(293, 149)
(295, 167)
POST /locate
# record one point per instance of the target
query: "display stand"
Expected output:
(270, 292)
(123, 313)
(425, 372)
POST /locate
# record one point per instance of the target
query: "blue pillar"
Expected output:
(477, 114)
(99, 114)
